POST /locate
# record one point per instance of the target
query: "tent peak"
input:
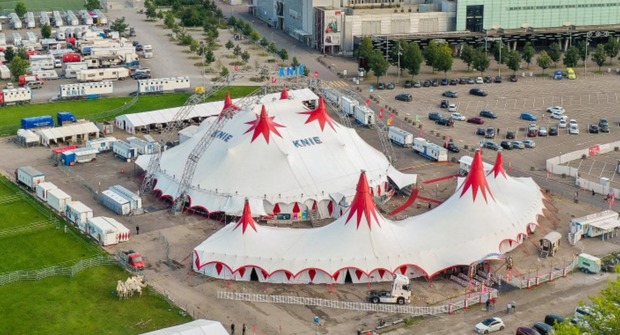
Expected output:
(264, 124)
(320, 114)
(476, 179)
(229, 104)
(363, 204)
(498, 168)
(246, 219)
(284, 94)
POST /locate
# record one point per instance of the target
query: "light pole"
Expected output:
(589, 35)
(499, 66)
(203, 51)
(399, 53)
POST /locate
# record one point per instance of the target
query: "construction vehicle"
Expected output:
(400, 293)
(132, 258)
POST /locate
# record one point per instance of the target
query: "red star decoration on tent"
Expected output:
(498, 168)
(284, 94)
(228, 103)
(476, 179)
(246, 219)
(320, 114)
(363, 204)
(263, 124)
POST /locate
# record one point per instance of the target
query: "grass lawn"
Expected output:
(84, 304)
(19, 213)
(4, 191)
(7, 6)
(11, 116)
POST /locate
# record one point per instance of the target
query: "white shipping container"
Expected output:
(115, 202)
(45, 74)
(347, 105)
(429, 150)
(364, 115)
(134, 200)
(29, 176)
(78, 213)
(103, 232)
(101, 144)
(85, 155)
(159, 85)
(124, 150)
(122, 233)
(144, 147)
(86, 89)
(43, 188)
(400, 137)
(57, 199)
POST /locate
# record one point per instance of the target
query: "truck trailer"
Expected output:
(29, 177)
(115, 202)
(86, 90)
(102, 144)
(163, 85)
(101, 231)
(78, 214)
(347, 105)
(364, 116)
(43, 188)
(58, 199)
(64, 118)
(134, 200)
(429, 150)
(400, 137)
(37, 122)
(124, 150)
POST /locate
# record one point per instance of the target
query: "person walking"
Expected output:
(232, 329)
(243, 329)
(513, 304)
(493, 301)
(508, 308)
(137, 230)
(488, 305)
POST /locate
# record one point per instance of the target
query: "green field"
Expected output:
(84, 304)
(39, 5)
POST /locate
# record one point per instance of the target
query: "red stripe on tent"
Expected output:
(311, 274)
(358, 274)
(276, 209)
(430, 200)
(436, 180)
(218, 268)
(381, 273)
(379, 190)
(403, 270)
(242, 271)
(288, 275)
(330, 207)
(336, 275)
(197, 261)
(412, 197)
(296, 208)
(265, 274)
(314, 205)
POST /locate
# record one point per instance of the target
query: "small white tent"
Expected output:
(196, 327)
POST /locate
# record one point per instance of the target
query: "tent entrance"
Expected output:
(347, 278)
(253, 275)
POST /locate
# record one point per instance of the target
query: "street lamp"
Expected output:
(203, 51)
(399, 54)
(589, 35)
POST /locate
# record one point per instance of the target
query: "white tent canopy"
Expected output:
(68, 134)
(279, 152)
(472, 225)
(196, 327)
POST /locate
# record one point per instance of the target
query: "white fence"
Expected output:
(449, 308)
(537, 278)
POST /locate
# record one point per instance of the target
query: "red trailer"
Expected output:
(32, 53)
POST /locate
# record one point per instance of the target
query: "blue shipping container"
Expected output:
(37, 121)
(68, 158)
(65, 117)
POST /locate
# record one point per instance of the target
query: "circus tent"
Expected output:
(363, 246)
(283, 157)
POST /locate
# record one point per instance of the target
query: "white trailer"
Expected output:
(102, 19)
(45, 74)
(31, 37)
(115, 202)
(85, 155)
(125, 52)
(107, 231)
(163, 85)
(43, 62)
(331, 95)
(17, 39)
(71, 69)
(30, 22)
(86, 90)
(86, 18)
(15, 21)
(400, 137)
(429, 150)
(60, 35)
(347, 105)
(602, 224)
(29, 177)
(2, 39)
(91, 75)
(124, 150)
(78, 214)
(5, 72)
(57, 19)
(134, 200)
(58, 199)
(364, 115)
(122, 233)
(43, 188)
(71, 19)
(15, 96)
(44, 19)
(144, 147)
(102, 144)
(57, 53)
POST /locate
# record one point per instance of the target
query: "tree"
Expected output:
(21, 53)
(513, 61)
(151, 12)
(364, 52)
(599, 55)
(528, 53)
(283, 54)
(481, 61)
(18, 67)
(169, 20)
(378, 64)
(571, 57)
(499, 52)
(119, 25)
(20, 9)
(443, 59)
(430, 52)
(273, 48)
(612, 47)
(254, 36)
(209, 57)
(582, 46)
(9, 54)
(229, 45)
(412, 58)
(46, 30)
(232, 21)
(237, 51)
(245, 56)
(224, 73)
(264, 42)
(160, 14)
(194, 46)
(92, 5)
(467, 55)
(295, 62)
(555, 52)
(544, 61)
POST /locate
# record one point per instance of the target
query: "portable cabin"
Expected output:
(588, 263)
(29, 176)
(134, 200)
(43, 188)
(115, 202)
(78, 213)
(550, 244)
(58, 199)
(102, 144)
(101, 231)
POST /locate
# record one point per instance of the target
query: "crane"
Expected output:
(177, 121)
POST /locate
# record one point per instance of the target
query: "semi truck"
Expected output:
(29, 177)
(65, 117)
(429, 150)
(400, 137)
(399, 294)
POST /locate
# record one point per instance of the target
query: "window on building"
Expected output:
(474, 17)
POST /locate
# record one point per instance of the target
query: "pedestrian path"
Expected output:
(337, 83)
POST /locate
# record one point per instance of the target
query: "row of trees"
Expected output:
(21, 9)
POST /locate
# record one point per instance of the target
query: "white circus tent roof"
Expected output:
(468, 227)
(276, 152)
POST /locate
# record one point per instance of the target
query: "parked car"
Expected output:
(404, 97)
(139, 47)
(141, 76)
(514, 78)
(444, 122)
(443, 104)
(488, 79)
(529, 144)
(36, 84)
(510, 135)
(562, 124)
(479, 80)
(506, 145)
(481, 131)
(434, 116)
(526, 331)
(603, 125)
(478, 92)
(490, 325)
(558, 116)
(573, 129)
(444, 82)
(417, 84)
(475, 120)
(543, 328)
(471, 81)
(552, 319)
(457, 116)
(556, 109)
(528, 117)
(553, 131)
(491, 145)
(498, 79)
(490, 132)
(518, 145)
(390, 86)
(408, 84)
(451, 108)
(450, 94)
(462, 81)
(532, 132)
(381, 86)
(593, 129)
(435, 82)
(427, 83)
(488, 114)
(542, 131)
(451, 147)
(453, 82)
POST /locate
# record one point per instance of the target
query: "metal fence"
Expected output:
(449, 308)
(527, 281)
(113, 112)
(29, 227)
(56, 270)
